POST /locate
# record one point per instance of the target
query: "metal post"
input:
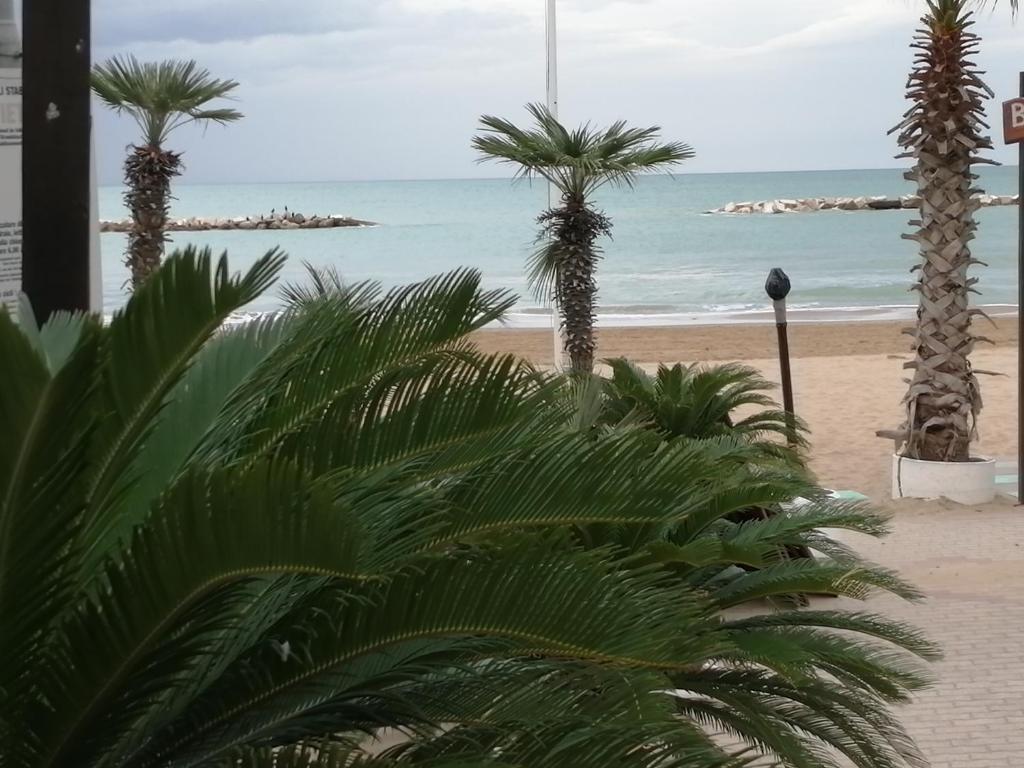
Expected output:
(1020, 313)
(551, 86)
(777, 287)
(55, 155)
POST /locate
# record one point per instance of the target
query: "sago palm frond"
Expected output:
(268, 545)
(700, 401)
(149, 347)
(161, 96)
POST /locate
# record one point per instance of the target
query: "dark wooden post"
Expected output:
(1013, 133)
(777, 287)
(55, 155)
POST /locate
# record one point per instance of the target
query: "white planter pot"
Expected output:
(965, 482)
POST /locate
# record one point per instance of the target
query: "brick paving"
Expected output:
(970, 562)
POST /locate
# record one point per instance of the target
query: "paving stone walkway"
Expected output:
(970, 562)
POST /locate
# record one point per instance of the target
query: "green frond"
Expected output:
(591, 610)
(580, 161)
(323, 282)
(214, 529)
(699, 401)
(334, 754)
(192, 408)
(150, 345)
(794, 721)
(58, 337)
(857, 581)
(45, 418)
(339, 346)
(160, 96)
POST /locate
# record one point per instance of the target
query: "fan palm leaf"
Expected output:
(161, 96)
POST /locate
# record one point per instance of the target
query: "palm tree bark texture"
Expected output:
(148, 171)
(943, 132)
(574, 228)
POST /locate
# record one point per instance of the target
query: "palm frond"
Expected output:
(340, 346)
(161, 96)
(483, 594)
(46, 418)
(58, 337)
(151, 343)
(580, 161)
(808, 576)
(192, 407)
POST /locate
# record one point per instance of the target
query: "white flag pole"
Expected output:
(551, 35)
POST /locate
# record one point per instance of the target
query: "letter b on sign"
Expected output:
(1013, 121)
(1017, 114)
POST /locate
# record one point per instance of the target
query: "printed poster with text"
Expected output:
(10, 187)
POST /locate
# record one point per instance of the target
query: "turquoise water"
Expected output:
(667, 256)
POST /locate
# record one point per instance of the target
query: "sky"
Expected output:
(392, 89)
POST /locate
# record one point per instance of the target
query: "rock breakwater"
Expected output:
(273, 221)
(878, 203)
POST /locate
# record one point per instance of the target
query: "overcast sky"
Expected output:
(392, 89)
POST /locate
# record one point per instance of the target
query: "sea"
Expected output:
(668, 261)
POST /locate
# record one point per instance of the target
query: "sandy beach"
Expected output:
(848, 381)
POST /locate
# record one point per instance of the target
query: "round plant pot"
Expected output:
(965, 482)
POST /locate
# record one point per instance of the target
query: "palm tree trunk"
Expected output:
(575, 227)
(943, 133)
(148, 172)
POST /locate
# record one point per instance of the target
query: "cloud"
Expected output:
(392, 88)
(125, 22)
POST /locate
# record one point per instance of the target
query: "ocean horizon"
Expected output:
(669, 262)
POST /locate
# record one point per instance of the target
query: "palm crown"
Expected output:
(577, 161)
(162, 96)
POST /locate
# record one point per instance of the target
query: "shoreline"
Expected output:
(537, 319)
(734, 341)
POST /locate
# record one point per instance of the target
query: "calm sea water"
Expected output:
(667, 258)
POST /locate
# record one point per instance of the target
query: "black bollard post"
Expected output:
(777, 286)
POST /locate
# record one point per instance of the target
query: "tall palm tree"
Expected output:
(159, 96)
(577, 163)
(265, 545)
(944, 133)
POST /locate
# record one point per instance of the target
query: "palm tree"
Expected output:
(577, 163)
(265, 545)
(944, 132)
(160, 97)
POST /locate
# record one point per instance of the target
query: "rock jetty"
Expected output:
(273, 221)
(880, 203)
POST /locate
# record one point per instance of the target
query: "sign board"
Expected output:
(10, 187)
(1013, 121)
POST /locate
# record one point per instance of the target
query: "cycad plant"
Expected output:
(160, 97)
(944, 133)
(699, 401)
(577, 163)
(342, 536)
